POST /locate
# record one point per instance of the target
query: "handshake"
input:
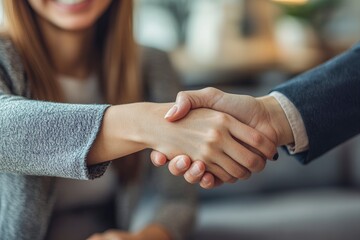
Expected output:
(233, 137)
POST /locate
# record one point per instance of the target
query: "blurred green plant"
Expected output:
(316, 13)
(312, 11)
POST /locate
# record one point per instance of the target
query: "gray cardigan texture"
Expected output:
(40, 141)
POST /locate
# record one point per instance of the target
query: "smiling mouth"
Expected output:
(70, 2)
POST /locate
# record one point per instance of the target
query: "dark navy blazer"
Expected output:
(328, 99)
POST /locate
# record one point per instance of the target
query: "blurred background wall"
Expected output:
(246, 36)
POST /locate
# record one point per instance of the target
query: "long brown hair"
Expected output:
(114, 45)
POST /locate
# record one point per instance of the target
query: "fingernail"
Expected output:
(276, 157)
(195, 170)
(206, 181)
(180, 164)
(171, 112)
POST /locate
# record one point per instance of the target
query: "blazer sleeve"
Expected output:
(328, 99)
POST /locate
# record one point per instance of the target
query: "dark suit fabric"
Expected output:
(328, 99)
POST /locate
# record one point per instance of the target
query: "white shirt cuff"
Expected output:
(296, 122)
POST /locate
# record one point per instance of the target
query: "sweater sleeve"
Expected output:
(328, 99)
(47, 139)
(42, 138)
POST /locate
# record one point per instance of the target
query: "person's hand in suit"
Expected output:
(263, 114)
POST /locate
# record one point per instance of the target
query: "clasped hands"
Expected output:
(247, 134)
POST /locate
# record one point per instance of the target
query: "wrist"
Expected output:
(119, 134)
(151, 124)
(126, 128)
(141, 125)
(278, 120)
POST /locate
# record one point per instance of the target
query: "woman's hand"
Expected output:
(204, 135)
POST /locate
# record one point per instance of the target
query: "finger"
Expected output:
(249, 161)
(185, 101)
(158, 159)
(216, 183)
(275, 157)
(253, 138)
(179, 165)
(207, 181)
(250, 148)
(230, 164)
(195, 173)
(220, 173)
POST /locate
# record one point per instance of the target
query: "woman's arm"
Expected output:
(204, 135)
(53, 139)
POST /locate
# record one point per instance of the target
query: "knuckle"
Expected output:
(257, 139)
(222, 119)
(181, 94)
(210, 90)
(214, 136)
(207, 152)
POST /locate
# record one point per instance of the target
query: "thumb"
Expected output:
(181, 108)
(185, 101)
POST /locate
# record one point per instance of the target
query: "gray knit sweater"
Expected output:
(41, 140)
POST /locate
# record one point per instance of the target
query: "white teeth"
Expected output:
(70, 1)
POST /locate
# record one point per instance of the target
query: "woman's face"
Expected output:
(71, 15)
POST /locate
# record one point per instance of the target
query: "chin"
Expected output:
(75, 24)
